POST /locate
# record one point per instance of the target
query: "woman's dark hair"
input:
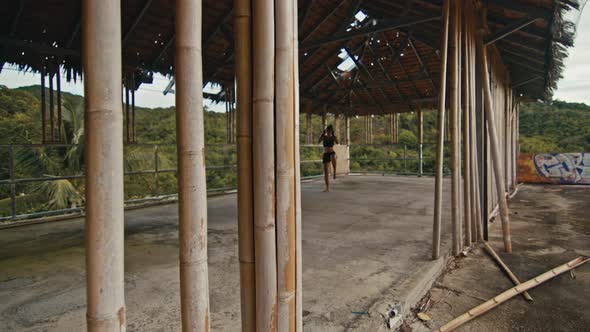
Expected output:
(329, 127)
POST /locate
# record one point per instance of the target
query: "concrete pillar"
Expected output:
(101, 50)
(192, 190)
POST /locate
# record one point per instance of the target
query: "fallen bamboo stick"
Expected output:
(495, 256)
(512, 292)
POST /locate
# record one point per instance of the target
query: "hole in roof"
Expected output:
(360, 16)
(212, 88)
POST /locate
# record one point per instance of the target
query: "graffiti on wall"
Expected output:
(562, 168)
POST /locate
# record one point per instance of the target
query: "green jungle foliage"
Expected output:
(556, 127)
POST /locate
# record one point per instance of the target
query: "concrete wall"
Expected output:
(343, 156)
(558, 168)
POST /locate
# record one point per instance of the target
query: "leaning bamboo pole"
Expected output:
(512, 292)
(192, 190)
(440, 135)
(243, 58)
(455, 132)
(285, 166)
(263, 59)
(103, 127)
(466, 104)
(494, 145)
(511, 275)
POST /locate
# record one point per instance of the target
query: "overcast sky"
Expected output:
(574, 87)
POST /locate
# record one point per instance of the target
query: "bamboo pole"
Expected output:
(391, 128)
(337, 124)
(243, 59)
(43, 106)
(511, 275)
(420, 116)
(510, 293)
(133, 131)
(298, 235)
(308, 126)
(264, 164)
(192, 190)
(51, 107)
(494, 148)
(59, 113)
(285, 165)
(103, 123)
(466, 104)
(127, 113)
(455, 133)
(324, 115)
(441, 134)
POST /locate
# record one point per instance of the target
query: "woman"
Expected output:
(328, 139)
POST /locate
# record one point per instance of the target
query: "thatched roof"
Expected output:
(394, 48)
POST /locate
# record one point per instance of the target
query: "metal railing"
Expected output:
(156, 170)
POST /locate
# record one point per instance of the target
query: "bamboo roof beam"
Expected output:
(507, 30)
(136, 21)
(388, 25)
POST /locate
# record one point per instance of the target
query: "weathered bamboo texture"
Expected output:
(192, 190)
(298, 242)
(347, 129)
(512, 292)
(243, 58)
(477, 228)
(466, 105)
(494, 147)
(392, 128)
(436, 225)
(263, 59)
(104, 165)
(285, 165)
(51, 107)
(337, 124)
(511, 275)
(455, 94)
(324, 118)
(127, 113)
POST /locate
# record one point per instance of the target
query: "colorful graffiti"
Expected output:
(561, 168)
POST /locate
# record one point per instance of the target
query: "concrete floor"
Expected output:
(550, 227)
(365, 245)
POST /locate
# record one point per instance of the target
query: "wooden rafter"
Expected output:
(136, 21)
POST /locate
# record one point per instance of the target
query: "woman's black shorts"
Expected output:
(327, 157)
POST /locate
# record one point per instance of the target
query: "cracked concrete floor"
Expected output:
(550, 226)
(360, 243)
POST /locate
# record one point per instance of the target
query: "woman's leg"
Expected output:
(327, 176)
(334, 164)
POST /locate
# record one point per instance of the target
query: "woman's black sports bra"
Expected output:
(329, 141)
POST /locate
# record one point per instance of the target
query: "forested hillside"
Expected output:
(555, 127)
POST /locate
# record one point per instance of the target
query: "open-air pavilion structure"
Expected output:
(471, 61)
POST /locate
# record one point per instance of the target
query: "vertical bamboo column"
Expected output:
(466, 130)
(59, 113)
(127, 112)
(308, 127)
(51, 107)
(324, 118)
(396, 128)
(392, 128)
(337, 124)
(243, 60)
(347, 129)
(494, 147)
(103, 123)
(43, 106)
(263, 60)
(192, 190)
(298, 234)
(455, 131)
(285, 165)
(420, 116)
(133, 122)
(436, 227)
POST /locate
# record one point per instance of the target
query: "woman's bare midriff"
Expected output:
(328, 149)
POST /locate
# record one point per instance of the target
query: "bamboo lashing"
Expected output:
(510, 293)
